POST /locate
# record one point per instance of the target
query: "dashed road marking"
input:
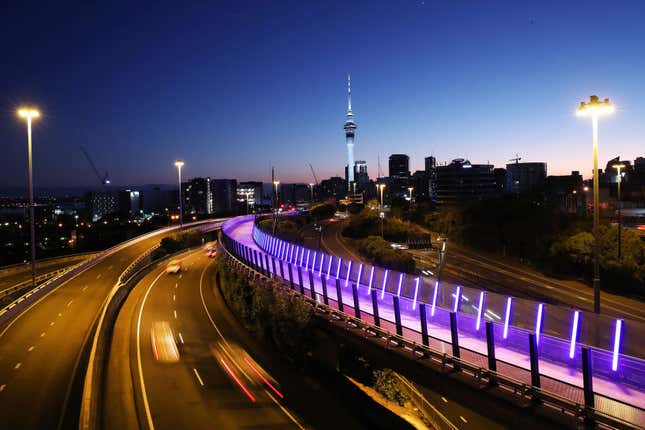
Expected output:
(198, 377)
(181, 338)
(110, 267)
(2, 387)
(51, 324)
(42, 334)
(60, 315)
(463, 419)
(69, 303)
(444, 399)
(175, 312)
(17, 366)
(85, 288)
(98, 276)
(174, 298)
(31, 348)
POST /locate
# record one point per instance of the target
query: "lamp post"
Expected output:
(248, 196)
(410, 191)
(381, 187)
(29, 114)
(618, 168)
(179, 164)
(311, 188)
(594, 108)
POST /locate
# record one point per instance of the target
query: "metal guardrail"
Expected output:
(44, 262)
(420, 351)
(438, 420)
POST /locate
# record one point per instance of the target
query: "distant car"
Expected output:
(174, 267)
(164, 346)
(212, 253)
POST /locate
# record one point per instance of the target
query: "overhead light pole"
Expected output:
(618, 168)
(179, 164)
(30, 114)
(595, 108)
(381, 187)
(311, 188)
(410, 189)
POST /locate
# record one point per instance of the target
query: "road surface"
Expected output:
(40, 349)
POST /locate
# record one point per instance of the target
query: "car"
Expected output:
(212, 253)
(174, 267)
(164, 346)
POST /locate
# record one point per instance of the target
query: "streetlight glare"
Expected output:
(595, 107)
(179, 163)
(28, 113)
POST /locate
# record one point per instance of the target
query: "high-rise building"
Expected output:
(462, 181)
(431, 173)
(361, 178)
(399, 165)
(523, 178)
(350, 129)
(224, 195)
(102, 203)
(249, 193)
(334, 187)
(196, 194)
(566, 192)
(130, 204)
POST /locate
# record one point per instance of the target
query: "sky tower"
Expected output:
(350, 128)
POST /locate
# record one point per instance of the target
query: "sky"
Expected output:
(235, 87)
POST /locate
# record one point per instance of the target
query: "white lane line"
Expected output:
(2, 387)
(174, 298)
(141, 381)
(444, 399)
(181, 339)
(110, 267)
(85, 288)
(175, 312)
(180, 275)
(42, 334)
(51, 324)
(176, 285)
(463, 419)
(17, 366)
(69, 303)
(31, 348)
(60, 315)
(198, 377)
(98, 276)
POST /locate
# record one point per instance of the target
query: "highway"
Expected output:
(475, 270)
(224, 379)
(40, 349)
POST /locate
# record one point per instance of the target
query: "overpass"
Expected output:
(456, 333)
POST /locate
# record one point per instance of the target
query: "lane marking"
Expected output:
(110, 267)
(84, 288)
(31, 348)
(181, 339)
(42, 334)
(70, 303)
(176, 285)
(463, 419)
(444, 399)
(60, 315)
(141, 381)
(286, 412)
(174, 298)
(98, 276)
(51, 324)
(175, 312)
(2, 387)
(198, 377)
(17, 366)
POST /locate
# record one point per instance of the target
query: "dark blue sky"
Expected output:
(233, 87)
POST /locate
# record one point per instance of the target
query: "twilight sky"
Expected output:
(233, 87)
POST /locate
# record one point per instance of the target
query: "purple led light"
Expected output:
(479, 310)
(384, 284)
(507, 317)
(340, 263)
(291, 253)
(329, 266)
(434, 297)
(538, 323)
(313, 264)
(369, 286)
(398, 288)
(457, 296)
(307, 261)
(614, 358)
(349, 272)
(416, 293)
(322, 261)
(360, 273)
(574, 334)
(302, 255)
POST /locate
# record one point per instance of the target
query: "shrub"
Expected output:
(381, 253)
(390, 387)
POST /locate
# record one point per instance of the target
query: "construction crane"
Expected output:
(313, 173)
(516, 159)
(103, 179)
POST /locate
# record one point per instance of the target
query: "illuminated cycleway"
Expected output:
(611, 396)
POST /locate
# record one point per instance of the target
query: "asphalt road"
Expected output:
(201, 391)
(41, 348)
(479, 271)
(9, 279)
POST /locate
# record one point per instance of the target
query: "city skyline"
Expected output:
(418, 88)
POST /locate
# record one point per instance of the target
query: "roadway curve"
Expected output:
(41, 348)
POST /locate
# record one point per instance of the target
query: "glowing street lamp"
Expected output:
(311, 188)
(595, 108)
(410, 189)
(29, 114)
(381, 187)
(618, 168)
(179, 164)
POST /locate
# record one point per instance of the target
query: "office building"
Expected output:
(224, 195)
(522, 178)
(462, 181)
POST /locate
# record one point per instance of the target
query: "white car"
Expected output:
(174, 267)
(164, 346)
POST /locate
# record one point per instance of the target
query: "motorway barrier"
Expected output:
(523, 390)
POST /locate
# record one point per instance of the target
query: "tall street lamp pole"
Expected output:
(410, 191)
(381, 186)
(179, 164)
(618, 168)
(29, 114)
(311, 187)
(594, 108)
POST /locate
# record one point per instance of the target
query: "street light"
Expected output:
(594, 108)
(618, 168)
(381, 187)
(179, 164)
(410, 191)
(311, 187)
(248, 196)
(29, 114)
